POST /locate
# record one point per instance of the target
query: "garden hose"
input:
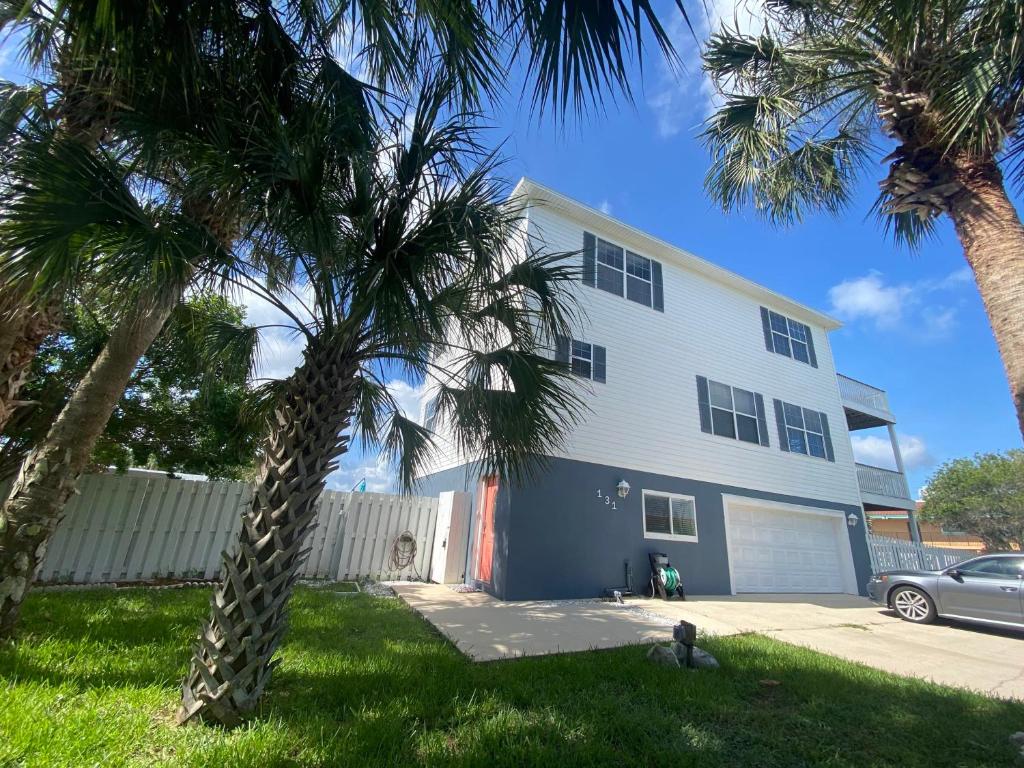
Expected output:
(669, 578)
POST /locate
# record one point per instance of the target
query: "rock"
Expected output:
(663, 656)
(1018, 739)
(701, 659)
(704, 660)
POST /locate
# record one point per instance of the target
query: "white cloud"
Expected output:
(357, 465)
(927, 308)
(877, 451)
(869, 298)
(355, 468)
(408, 397)
(605, 207)
(683, 98)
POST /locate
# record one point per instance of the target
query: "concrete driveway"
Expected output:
(959, 654)
(966, 656)
(486, 629)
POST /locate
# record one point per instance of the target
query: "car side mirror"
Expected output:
(955, 573)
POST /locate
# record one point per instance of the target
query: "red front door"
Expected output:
(485, 549)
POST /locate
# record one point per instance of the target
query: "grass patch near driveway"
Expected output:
(364, 682)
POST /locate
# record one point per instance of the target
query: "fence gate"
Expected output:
(896, 554)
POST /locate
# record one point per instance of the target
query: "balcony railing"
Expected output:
(858, 393)
(882, 482)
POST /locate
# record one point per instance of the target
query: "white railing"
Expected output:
(896, 554)
(882, 482)
(132, 528)
(859, 393)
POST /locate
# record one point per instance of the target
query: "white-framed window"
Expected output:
(789, 337)
(430, 414)
(734, 412)
(586, 360)
(669, 516)
(805, 432)
(581, 359)
(639, 279)
(612, 268)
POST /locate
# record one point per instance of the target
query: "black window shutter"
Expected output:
(762, 422)
(589, 259)
(704, 403)
(810, 346)
(780, 421)
(562, 349)
(766, 326)
(829, 453)
(599, 363)
(659, 291)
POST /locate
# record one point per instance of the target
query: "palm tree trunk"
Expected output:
(22, 329)
(50, 471)
(233, 658)
(992, 237)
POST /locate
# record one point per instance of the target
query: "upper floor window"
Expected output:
(613, 269)
(731, 412)
(430, 414)
(786, 336)
(802, 430)
(589, 361)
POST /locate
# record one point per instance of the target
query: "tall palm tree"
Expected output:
(941, 82)
(410, 245)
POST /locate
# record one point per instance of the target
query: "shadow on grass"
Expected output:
(366, 682)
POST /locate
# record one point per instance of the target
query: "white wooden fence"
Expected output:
(889, 554)
(131, 528)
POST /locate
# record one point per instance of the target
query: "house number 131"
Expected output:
(608, 500)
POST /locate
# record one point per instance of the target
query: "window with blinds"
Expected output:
(669, 516)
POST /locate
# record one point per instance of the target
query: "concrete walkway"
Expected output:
(959, 654)
(963, 655)
(486, 629)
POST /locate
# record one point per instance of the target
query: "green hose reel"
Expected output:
(669, 578)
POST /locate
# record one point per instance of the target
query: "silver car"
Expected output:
(989, 588)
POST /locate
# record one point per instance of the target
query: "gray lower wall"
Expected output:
(555, 539)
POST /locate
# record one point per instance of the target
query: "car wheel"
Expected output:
(911, 604)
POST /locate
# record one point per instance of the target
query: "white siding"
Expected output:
(645, 417)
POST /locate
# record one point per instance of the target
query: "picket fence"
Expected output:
(136, 527)
(888, 554)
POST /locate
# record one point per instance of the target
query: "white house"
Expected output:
(717, 401)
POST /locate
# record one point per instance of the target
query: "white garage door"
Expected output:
(772, 550)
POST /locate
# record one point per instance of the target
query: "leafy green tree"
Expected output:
(184, 408)
(983, 496)
(939, 83)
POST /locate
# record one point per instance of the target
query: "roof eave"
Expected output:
(533, 191)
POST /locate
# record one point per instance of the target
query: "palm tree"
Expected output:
(411, 245)
(941, 80)
(151, 200)
(112, 96)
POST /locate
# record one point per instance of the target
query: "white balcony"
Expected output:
(865, 406)
(884, 488)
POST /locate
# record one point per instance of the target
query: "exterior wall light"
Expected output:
(623, 487)
(852, 519)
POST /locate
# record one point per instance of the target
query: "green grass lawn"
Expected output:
(93, 681)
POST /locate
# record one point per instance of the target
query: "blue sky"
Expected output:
(914, 323)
